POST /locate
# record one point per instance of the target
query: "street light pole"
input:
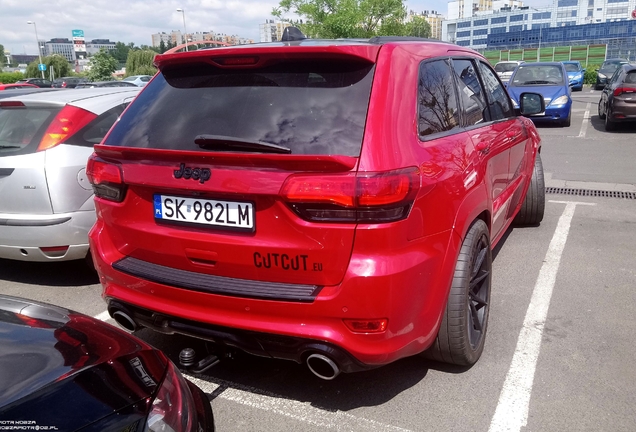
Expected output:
(185, 36)
(37, 40)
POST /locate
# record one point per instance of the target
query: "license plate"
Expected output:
(226, 214)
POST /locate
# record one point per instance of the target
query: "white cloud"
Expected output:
(136, 20)
(125, 20)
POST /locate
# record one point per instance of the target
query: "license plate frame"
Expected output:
(219, 214)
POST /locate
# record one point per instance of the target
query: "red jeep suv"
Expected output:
(321, 201)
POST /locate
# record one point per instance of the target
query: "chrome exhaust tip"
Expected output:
(123, 319)
(323, 367)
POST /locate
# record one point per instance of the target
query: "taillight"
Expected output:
(106, 178)
(173, 408)
(370, 197)
(620, 90)
(68, 121)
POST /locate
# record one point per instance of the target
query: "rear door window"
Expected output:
(307, 107)
(474, 110)
(437, 99)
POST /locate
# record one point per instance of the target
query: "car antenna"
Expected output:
(291, 34)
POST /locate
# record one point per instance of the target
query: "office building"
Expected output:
(95, 45)
(434, 19)
(272, 31)
(566, 22)
(62, 46)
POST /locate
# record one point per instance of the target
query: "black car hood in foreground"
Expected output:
(64, 370)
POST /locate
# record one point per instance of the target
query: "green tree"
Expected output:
(10, 77)
(2, 58)
(102, 65)
(346, 18)
(162, 47)
(120, 52)
(58, 62)
(418, 26)
(140, 63)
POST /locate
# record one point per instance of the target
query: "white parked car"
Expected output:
(505, 69)
(138, 80)
(46, 205)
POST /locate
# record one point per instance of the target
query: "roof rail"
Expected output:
(387, 39)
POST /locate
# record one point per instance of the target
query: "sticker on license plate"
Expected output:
(227, 214)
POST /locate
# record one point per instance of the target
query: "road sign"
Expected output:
(42, 67)
(634, 14)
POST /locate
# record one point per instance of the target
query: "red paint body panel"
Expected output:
(399, 270)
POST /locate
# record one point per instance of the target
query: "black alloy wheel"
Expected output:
(601, 113)
(479, 291)
(462, 333)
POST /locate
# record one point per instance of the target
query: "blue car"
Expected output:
(551, 81)
(576, 74)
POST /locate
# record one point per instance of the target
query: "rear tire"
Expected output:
(533, 207)
(461, 336)
(601, 114)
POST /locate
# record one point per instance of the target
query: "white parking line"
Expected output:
(514, 401)
(300, 411)
(586, 120)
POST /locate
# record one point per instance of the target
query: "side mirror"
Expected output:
(583, 70)
(531, 103)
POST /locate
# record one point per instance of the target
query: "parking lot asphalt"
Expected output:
(559, 350)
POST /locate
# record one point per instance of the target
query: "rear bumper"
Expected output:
(22, 236)
(409, 288)
(623, 111)
(260, 344)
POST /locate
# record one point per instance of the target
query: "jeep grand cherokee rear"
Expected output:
(308, 200)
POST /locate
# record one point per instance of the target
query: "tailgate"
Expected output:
(244, 229)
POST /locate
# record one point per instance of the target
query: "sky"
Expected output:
(135, 20)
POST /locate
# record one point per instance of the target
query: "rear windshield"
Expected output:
(21, 129)
(505, 67)
(531, 75)
(316, 107)
(630, 78)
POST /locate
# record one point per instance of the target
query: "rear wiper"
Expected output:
(222, 142)
(6, 147)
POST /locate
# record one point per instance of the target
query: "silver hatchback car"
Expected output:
(46, 201)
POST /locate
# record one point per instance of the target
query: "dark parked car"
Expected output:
(40, 82)
(68, 82)
(303, 201)
(606, 71)
(105, 84)
(61, 370)
(618, 100)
